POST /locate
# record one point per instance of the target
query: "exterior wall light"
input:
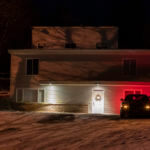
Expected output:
(98, 97)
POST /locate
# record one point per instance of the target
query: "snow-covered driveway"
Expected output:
(43, 131)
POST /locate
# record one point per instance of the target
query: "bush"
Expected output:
(9, 104)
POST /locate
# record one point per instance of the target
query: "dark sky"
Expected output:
(93, 12)
(76, 12)
(131, 16)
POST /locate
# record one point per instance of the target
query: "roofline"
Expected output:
(79, 52)
(76, 26)
(97, 83)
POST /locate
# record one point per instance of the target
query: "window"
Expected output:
(29, 95)
(32, 67)
(129, 67)
(138, 92)
(132, 91)
(70, 45)
(127, 92)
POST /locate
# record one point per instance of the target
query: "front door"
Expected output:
(98, 101)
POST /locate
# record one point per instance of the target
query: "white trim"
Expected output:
(94, 84)
(23, 89)
(44, 94)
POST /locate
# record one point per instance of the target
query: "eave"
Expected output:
(80, 52)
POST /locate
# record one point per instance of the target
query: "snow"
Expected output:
(42, 131)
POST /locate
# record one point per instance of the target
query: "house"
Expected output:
(77, 69)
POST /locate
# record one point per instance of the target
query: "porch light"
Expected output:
(50, 84)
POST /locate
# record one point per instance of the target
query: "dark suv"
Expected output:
(135, 104)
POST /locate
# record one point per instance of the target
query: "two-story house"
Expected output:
(77, 69)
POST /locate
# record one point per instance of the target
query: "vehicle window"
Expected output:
(136, 98)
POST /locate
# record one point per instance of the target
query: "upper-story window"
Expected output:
(70, 45)
(129, 67)
(32, 67)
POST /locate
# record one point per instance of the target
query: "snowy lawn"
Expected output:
(44, 131)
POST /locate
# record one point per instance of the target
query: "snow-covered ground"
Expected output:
(44, 131)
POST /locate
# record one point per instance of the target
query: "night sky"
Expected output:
(131, 16)
(96, 12)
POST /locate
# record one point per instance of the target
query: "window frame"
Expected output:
(26, 64)
(133, 90)
(41, 89)
(38, 89)
(129, 73)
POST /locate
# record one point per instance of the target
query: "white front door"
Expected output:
(98, 101)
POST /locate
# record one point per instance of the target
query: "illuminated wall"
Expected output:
(81, 94)
(68, 94)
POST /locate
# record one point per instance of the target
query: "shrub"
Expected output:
(9, 104)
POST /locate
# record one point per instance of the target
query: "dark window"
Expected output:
(35, 66)
(138, 92)
(32, 66)
(70, 45)
(128, 92)
(132, 91)
(129, 67)
(29, 66)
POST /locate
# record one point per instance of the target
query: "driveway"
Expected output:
(45, 131)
